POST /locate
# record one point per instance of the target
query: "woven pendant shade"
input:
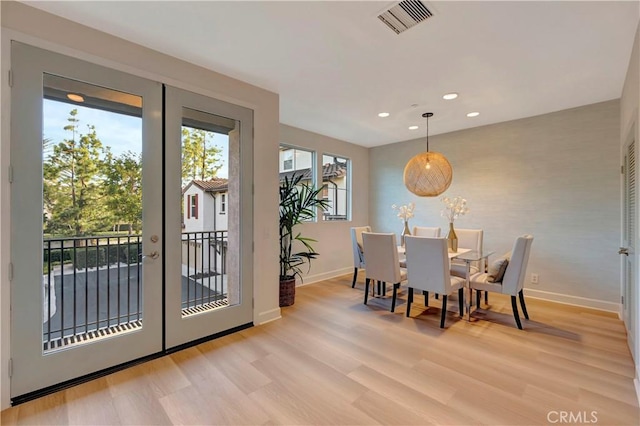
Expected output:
(428, 174)
(428, 182)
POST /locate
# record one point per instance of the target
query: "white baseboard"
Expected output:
(574, 300)
(267, 316)
(310, 279)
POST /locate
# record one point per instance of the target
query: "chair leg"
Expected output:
(478, 299)
(409, 300)
(366, 290)
(437, 296)
(396, 286)
(514, 306)
(355, 276)
(486, 297)
(426, 298)
(522, 304)
(444, 310)
(461, 301)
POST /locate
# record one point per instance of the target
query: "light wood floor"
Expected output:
(332, 360)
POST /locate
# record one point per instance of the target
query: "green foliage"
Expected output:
(298, 203)
(199, 161)
(72, 182)
(90, 257)
(123, 188)
(86, 189)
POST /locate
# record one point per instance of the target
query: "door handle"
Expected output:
(624, 250)
(154, 255)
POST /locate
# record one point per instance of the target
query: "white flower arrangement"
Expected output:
(454, 208)
(405, 212)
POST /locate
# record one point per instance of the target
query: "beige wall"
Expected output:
(34, 27)
(334, 238)
(630, 131)
(556, 176)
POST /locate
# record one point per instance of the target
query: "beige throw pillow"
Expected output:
(498, 268)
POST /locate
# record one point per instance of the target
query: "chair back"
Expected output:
(513, 280)
(382, 257)
(357, 245)
(424, 231)
(470, 239)
(428, 264)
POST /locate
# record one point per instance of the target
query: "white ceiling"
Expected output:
(336, 66)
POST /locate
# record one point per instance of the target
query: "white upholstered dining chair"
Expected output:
(382, 263)
(513, 280)
(467, 239)
(358, 252)
(428, 270)
(425, 231)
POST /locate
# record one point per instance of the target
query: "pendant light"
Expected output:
(428, 174)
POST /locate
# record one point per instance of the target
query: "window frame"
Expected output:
(348, 198)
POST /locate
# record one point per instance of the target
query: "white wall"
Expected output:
(50, 32)
(555, 176)
(334, 239)
(630, 129)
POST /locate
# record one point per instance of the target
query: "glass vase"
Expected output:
(405, 231)
(452, 239)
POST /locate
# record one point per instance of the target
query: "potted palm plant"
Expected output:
(298, 203)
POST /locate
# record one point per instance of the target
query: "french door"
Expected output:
(207, 249)
(105, 270)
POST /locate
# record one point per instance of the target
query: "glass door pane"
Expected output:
(92, 212)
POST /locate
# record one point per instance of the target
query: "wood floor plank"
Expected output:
(48, 410)
(331, 360)
(91, 403)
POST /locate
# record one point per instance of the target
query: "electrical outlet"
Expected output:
(534, 278)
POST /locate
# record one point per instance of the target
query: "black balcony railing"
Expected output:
(204, 260)
(92, 286)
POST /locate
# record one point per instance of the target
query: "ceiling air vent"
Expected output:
(405, 15)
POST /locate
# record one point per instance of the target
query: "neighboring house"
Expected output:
(205, 204)
(334, 181)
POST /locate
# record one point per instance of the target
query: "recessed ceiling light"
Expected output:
(75, 97)
(473, 114)
(383, 114)
(450, 96)
(413, 127)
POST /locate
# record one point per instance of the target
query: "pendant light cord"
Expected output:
(427, 115)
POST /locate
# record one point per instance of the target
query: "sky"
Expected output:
(120, 132)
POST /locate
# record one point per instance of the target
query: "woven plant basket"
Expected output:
(287, 291)
(428, 182)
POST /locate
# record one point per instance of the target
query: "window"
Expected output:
(336, 181)
(223, 203)
(193, 208)
(295, 162)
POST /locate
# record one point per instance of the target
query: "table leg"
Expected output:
(468, 285)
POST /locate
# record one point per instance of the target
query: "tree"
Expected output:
(199, 161)
(123, 188)
(72, 182)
